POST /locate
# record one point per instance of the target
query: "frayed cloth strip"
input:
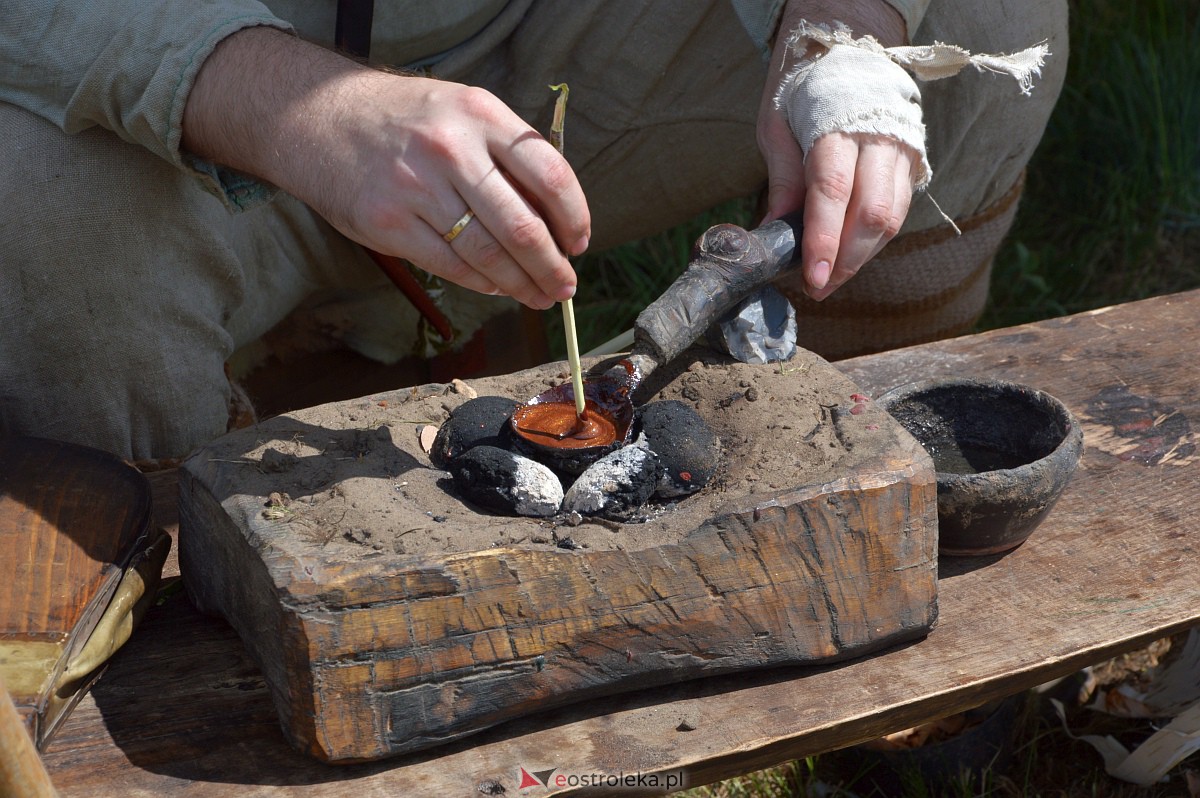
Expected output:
(932, 61)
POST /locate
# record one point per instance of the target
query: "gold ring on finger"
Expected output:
(459, 226)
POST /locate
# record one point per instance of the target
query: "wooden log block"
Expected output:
(787, 558)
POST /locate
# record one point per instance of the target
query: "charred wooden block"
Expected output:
(389, 616)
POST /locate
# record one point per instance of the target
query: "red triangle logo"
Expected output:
(528, 781)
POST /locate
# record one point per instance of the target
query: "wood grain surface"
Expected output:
(184, 711)
(71, 518)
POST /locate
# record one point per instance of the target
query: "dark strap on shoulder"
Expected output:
(353, 32)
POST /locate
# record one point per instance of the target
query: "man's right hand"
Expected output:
(393, 161)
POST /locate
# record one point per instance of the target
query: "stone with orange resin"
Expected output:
(547, 429)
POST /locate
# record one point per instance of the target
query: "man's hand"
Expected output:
(855, 188)
(393, 161)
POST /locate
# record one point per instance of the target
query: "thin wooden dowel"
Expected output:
(568, 306)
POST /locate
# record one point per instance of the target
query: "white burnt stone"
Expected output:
(507, 482)
(616, 484)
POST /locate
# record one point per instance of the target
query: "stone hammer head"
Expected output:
(728, 264)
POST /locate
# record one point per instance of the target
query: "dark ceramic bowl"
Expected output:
(1003, 454)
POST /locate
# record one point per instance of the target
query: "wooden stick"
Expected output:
(560, 115)
(21, 769)
(573, 357)
(618, 343)
(568, 307)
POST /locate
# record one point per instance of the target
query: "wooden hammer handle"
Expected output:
(727, 265)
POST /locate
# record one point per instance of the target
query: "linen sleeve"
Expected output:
(760, 18)
(127, 66)
(913, 12)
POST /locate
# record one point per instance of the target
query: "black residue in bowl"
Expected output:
(1003, 453)
(970, 427)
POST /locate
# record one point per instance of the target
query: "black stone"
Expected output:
(687, 448)
(482, 421)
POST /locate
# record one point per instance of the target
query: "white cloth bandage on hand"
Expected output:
(859, 86)
(850, 89)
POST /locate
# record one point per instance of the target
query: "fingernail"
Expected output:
(818, 276)
(580, 246)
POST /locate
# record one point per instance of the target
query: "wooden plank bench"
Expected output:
(183, 711)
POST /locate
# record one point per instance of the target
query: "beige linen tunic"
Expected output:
(132, 272)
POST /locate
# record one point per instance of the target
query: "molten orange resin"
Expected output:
(555, 425)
